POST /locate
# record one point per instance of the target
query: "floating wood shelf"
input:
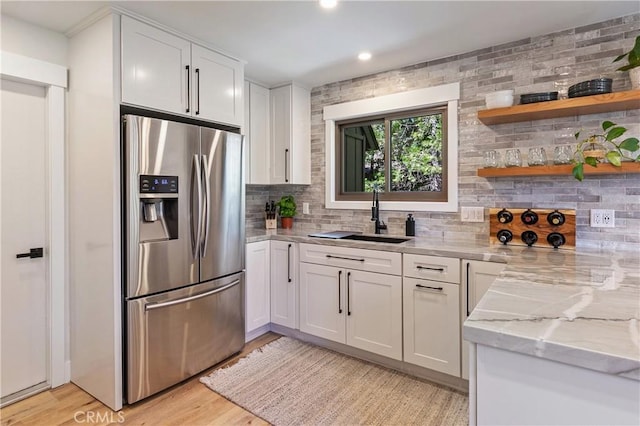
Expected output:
(595, 104)
(602, 169)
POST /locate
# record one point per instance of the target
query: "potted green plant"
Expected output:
(598, 147)
(633, 57)
(287, 208)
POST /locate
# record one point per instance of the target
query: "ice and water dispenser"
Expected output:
(158, 208)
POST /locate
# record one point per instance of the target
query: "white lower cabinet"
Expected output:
(257, 288)
(477, 278)
(358, 308)
(432, 325)
(284, 283)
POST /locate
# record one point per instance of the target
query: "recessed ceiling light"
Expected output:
(364, 56)
(328, 4)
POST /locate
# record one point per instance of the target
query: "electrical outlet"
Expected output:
(472, 214)
(305, 208)
(603, 218)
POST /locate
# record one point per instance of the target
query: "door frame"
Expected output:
(53, 78)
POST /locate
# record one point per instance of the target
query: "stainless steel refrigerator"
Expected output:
(183, 281)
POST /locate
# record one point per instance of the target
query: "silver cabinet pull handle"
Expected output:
(468, 265)
(430, 288)
(430, 269)
(198, 91)
(152, 306)
(188, 88)
(330, 256)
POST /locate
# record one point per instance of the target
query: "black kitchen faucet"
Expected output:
(375, 212)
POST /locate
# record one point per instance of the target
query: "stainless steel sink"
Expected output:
(375, 238)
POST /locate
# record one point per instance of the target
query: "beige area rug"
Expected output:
(288, 382)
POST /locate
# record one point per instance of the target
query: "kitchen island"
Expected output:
(557, 334)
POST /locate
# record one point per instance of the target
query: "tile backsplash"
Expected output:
(529, 65)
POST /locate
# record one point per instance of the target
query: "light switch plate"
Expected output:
(472, 214)
(305, 208)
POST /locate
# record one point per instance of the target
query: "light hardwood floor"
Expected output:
(188, 403)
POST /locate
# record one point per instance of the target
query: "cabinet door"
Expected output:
(218, 83)
(477, 278)
(259, 130)
(432, 325)
(284, 284)
(280, 135)
(322, 301)
(374, 312)
(154, 67)
(257, 286)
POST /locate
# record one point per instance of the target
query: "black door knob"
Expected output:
(33, 253)
(529, 238)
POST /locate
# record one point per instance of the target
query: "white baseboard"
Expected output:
(252, 334)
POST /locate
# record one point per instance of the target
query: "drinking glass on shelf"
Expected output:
(537, 157)
(491, 159)
(562, 154)
(513, 158)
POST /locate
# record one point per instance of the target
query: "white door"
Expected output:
(218, 86)
(323, 306)
(23, 285)
(284, 284)
(432, 325)
(259, 125)
(280, 170)
(257, 286)
(155, 68)
(374, 313)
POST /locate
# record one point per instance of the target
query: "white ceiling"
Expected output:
(297, 40)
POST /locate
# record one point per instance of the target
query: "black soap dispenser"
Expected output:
(410, 226)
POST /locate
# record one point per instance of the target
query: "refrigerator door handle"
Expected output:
(152, 306)
(207, 205)
(197, 176)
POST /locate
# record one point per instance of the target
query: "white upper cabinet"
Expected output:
(217, 86)
(168, 73)
(290, 157)
(257, 132)
(154, 67)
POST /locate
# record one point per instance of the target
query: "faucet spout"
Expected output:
(375, 213)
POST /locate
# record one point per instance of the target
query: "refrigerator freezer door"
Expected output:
(161, 148)
(223, 242)
(175, 335)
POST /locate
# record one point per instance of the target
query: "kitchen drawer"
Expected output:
(359, 259)
(446, 269)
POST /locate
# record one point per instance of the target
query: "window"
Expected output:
(402, 155)
(404, 144)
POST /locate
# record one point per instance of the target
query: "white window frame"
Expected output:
(448, 94)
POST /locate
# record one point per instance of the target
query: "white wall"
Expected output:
(26, 39)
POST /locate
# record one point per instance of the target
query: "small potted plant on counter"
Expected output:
(597, 148)
(633, 56)
(287, 207)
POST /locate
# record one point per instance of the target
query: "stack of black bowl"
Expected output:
(591, 87)
(531, 98)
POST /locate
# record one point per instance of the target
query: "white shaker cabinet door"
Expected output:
(477, 277)
(218, 84)
(258, 122)
(432, 325)
(257, 285)
(322, 301)
(374, 313)
(284, 284)
(155, 70)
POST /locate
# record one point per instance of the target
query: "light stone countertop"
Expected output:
(580, 308)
